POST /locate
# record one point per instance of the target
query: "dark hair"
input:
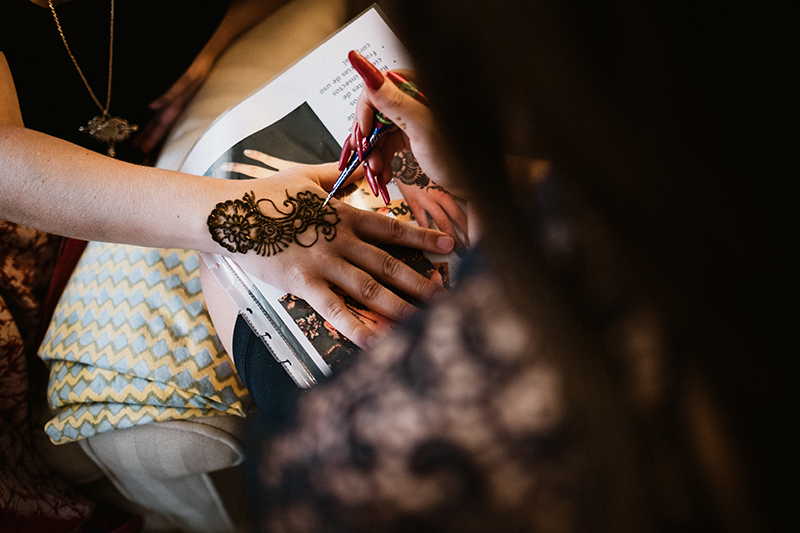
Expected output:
(667, 126)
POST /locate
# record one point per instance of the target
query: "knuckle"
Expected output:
(369, 289)
(425, 288)
(403, 310)
(334, 311)
(396, 101)
(390, 266)
(396, 229)
(297, 279)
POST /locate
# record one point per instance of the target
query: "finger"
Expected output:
(389, 270)
(444, 223)
(458, 216)
(365, 115)
(372, 292)
(324, 174)
(347, 152)
(271, 161)
(420, 214)
(248, 170)
(407, 113)
(378, 228)
(327, 303)
(375, 161)
(373, 185)
(329, 173)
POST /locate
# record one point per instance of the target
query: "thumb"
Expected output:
(406, 112)
(326, 175)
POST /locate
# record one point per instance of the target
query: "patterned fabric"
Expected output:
(131, 342)
(30, 493)
(456, 422)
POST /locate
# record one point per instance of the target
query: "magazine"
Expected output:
(301, 116)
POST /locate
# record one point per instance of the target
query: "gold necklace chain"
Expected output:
(103, 128)
(75, 62)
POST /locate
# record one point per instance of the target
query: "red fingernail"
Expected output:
(396, 78)
(384, 193)
(359, 142)
(347, 150)
(399, 80)
(373, 185)
(372, 76)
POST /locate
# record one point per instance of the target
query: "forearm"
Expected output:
(61, 188)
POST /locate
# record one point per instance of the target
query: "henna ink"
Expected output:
(242, 225)
(434, 187)
(406, 169)
(401, 210)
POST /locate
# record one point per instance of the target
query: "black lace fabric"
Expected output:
(455, 423)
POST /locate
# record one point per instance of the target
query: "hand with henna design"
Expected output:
(277, 231)
(416, 130)
(428, 200)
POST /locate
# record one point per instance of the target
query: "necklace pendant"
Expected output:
(110, 130)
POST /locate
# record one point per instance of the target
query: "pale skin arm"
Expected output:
(61, 188)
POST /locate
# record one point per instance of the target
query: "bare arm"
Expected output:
(55, 186)
(241, 15)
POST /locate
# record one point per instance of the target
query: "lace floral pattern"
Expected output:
(456, 423)
(27, 487)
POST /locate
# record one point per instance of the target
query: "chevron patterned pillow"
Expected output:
(131, 342)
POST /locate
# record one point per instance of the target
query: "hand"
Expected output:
(428, 200)
(170, 105)
(415, 130)
(333, 248)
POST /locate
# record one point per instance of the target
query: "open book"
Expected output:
(302, 116)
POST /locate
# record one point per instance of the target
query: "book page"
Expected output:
(323, 81)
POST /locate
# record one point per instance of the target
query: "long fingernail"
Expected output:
(359, 142)
(347, 150)
(384, 193)
(401, 82)
(373, 185)
(372, 76)
(396, 78)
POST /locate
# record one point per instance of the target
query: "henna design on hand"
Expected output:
(242, 225)
(434, 187)
(406, 169)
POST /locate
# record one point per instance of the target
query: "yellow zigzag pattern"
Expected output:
(73, 390)
(132, 323)
(71, 425)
